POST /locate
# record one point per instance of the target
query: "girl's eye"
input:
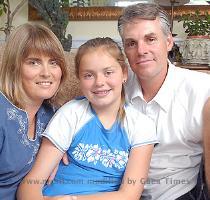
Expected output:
(108, 73)
(88, 76)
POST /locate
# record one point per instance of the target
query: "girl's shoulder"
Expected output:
(78, 106)
(134, 114)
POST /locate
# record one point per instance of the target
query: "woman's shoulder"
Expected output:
(6, 105)
(4, 100)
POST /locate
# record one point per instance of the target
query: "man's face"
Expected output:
(146, 48)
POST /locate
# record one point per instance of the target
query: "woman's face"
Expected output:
(41, 76)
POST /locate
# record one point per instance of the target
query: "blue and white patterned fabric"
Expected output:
(17, 151)
(98, 156)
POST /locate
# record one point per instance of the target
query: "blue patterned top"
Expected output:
(98, 156)
(17, 151)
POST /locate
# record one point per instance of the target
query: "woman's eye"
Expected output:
(54, 62)
(33, 62)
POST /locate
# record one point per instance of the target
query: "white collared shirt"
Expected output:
(177, 112)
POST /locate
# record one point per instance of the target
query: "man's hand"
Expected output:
(52, 176)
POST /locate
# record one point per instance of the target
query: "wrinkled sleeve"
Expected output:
(59, 131)
(140, 128)
(144, 133)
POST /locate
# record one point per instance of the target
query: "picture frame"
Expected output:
(113, 12)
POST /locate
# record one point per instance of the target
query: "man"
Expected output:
(206, 138)
(171, 96)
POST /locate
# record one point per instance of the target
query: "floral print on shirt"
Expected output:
(94, 153)
(13, 114)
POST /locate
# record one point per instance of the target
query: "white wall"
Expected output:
(82, 30)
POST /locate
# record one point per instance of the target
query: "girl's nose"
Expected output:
(99, 81)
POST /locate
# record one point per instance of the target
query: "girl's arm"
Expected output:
(134, 178)
(206, 141)
(47, 159)
(49, 156)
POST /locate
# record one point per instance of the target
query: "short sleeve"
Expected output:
(140, 128)
(66, 122)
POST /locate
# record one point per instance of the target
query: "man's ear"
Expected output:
(170, 42)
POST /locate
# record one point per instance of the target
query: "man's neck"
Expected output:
(151, 87)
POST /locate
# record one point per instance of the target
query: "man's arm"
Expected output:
(206, 141)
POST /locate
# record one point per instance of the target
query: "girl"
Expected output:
(32, 72)
(109, 153)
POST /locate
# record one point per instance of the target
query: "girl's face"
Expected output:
(101, 79)
(41, 76)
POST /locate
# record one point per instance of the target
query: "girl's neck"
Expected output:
(108, 115)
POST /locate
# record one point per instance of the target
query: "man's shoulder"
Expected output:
(192, 78)
(191, 73)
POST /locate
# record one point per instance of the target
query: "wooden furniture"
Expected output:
(113, 12)
(202, 68)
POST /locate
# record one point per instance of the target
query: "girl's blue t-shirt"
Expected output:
(98, 156)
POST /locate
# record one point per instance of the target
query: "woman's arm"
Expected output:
(134, 177)
(47, 159)
(206, 141)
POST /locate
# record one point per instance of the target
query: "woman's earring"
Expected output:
(124, 81)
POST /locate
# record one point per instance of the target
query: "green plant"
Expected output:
(5, 9)
(196, 24)
(54, 14)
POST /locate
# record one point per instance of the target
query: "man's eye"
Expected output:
(151, 40)
(130, 44)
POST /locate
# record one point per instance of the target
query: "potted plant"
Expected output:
(6, 9)
(196, 48)
(54, 14)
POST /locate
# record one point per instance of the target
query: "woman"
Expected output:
(31, 76)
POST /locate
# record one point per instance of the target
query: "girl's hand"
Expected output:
(64, 197)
